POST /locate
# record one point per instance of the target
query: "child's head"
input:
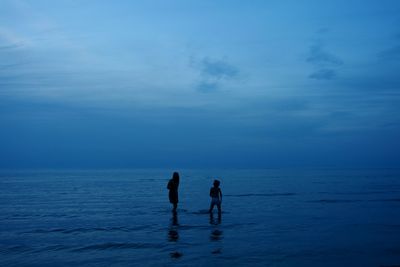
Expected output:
(216, 183)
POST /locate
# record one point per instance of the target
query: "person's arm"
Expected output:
(169, 185)
(220, 194)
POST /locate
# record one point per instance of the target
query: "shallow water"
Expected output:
(270, 218)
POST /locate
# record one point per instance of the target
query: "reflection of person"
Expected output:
(173, 234)
(172, 186)
(216, 196)
(216, 233)
(215, 221)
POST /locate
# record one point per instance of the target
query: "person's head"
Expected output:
(175, 176)
(216, 183)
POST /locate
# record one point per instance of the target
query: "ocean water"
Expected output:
(270, 218)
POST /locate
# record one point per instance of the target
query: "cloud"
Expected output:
(207, 87)
(214, 73)
(218, 69)
(323, 74)
(323, 61)
(392, 53)
(319, 56)
(10, 46)
(323, 30)
(10, 39)
(380, 73)
(11, 66)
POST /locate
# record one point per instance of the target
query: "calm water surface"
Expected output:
(270, 218)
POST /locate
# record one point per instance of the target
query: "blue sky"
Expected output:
(177, 84)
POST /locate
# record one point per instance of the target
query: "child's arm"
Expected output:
(220, 194)
(211, 192)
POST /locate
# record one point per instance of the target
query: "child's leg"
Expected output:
(211, 206)
(175, 206)
(219, 207)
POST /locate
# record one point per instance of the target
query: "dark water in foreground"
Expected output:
(271, 218)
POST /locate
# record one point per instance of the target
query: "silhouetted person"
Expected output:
(172, 186)
(216, 196)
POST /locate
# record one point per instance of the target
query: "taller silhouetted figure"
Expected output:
(172, 186)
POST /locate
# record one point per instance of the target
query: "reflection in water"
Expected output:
(215, 221)
(216, 234)
(174, 219)
(173, 234)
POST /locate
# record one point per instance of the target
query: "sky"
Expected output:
(199, 84)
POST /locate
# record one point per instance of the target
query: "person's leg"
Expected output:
(219, 207)
(211, 206)
(175, 206)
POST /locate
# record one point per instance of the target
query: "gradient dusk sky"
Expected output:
(205, 84)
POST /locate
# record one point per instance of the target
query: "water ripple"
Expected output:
(262, 195)
(335, 201)
(111, 245)
(85, 230)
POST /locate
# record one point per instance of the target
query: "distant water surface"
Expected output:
(270, 218)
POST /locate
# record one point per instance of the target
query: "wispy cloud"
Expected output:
(318, 55)
(218, 69)
(9, 39)
(393, 52)
(323, 74)
(207, 87)
(10, 46)
(323, 61)
(213, 73)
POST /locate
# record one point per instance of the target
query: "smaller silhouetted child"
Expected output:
(216, 196)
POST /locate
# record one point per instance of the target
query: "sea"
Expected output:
(270, 217)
